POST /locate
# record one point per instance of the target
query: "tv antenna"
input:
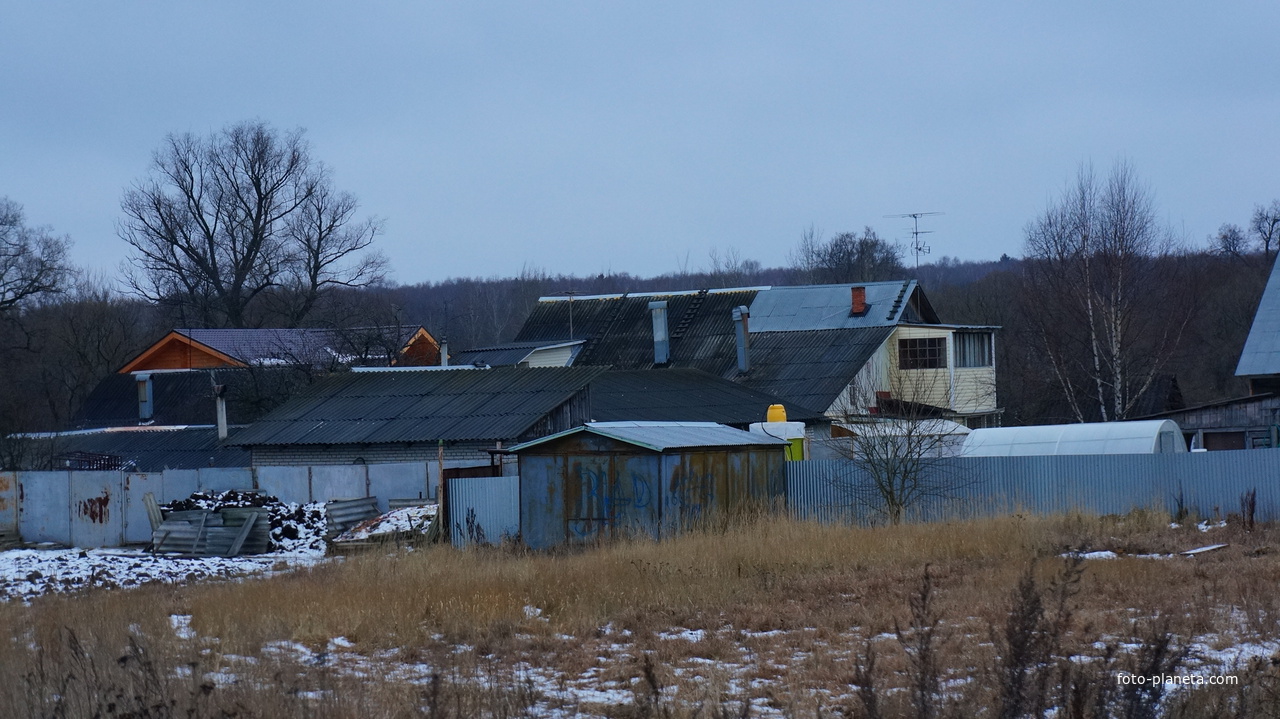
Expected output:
(917, 246)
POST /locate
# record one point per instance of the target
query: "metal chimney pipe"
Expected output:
(444, 353)
(740, 317)
(661, 342)
(220, 400)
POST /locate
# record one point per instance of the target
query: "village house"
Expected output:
(853, 352)
(170, 406)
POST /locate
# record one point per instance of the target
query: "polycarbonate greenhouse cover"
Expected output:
(1141, 437)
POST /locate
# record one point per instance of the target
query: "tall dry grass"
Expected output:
(829, 592)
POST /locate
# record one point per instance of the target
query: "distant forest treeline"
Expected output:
(57, 350)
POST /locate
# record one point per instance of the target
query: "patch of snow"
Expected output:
(181, 624)
(397, 521)
(29, 573)
(1105, 554)
(1207, 525)
(689, 635)
(1202, 550)
(1234, 656)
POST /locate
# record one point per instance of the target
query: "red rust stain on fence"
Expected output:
(4, 483)
(96, 509)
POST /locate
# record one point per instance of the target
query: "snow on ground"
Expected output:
(405, 519)
(29, 573)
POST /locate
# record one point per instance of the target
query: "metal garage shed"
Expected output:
(608, 479)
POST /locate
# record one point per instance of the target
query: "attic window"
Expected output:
(973, 349)
(922, 353)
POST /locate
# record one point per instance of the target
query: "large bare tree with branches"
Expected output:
(1103, 293)
(33, 261)
(244, 227)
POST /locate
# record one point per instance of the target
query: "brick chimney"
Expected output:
(858, 304)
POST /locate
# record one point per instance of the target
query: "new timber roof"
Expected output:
(419, 406)
(686, 395)
(1261, 353)
(661, 436)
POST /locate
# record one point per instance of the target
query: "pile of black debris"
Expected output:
(235, 522)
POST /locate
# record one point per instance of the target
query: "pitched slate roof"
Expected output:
(618, 329)
(148, 450)
(1261, 353)
(419, 406)
(805, 347)
(504, 355)
(661, 436)
(686, 395)
(811, 367)
(186, 397)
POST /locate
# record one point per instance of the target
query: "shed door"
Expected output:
(611, 494)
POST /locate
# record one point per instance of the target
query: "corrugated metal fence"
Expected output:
(484, 510)
(1210, 483)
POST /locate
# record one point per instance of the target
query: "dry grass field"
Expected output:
(763, 617)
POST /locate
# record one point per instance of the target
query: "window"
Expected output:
(973, 349)
(922, 353)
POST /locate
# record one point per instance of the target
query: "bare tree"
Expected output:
(243, 227)
(847, 257)
(730, 269)
(897, 438)
(1265, 228)
(33, 261)
(1102, 291)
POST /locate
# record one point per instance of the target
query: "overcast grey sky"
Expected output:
(587, 137)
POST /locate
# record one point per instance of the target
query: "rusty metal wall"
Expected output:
(8, 507)
(1209, 483)
(594, 488)
(97, 509)
(542, 504)
(495, 502)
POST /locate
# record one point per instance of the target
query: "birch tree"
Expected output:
(1101, 291)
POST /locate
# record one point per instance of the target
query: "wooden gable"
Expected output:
(177, 351)
(420, 350)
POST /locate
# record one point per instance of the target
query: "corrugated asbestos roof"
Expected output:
(154, 450)
(805, 348)
(380, 407)
(661, 436)
(1261, 353)
(181, 398)
(504, 355)
(683, 395)
(810, 368)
